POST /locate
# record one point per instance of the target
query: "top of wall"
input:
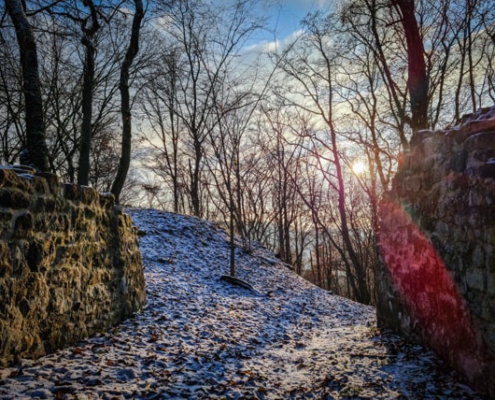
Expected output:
(25, 182)
(467, 148)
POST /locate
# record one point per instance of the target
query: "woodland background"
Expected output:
(179, 105)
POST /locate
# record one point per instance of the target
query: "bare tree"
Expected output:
(11, 100)
(163, 131)
(208, 39)
(132, 51)
(368, 22)
(312, 67)
(282, 161)
(35, 136)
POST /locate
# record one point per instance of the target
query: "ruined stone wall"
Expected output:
(437, 243)
(70, 264)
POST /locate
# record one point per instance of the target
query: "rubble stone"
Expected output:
(437, 236)
(70, 264)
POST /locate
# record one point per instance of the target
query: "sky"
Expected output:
(285, 17)
(284, 22)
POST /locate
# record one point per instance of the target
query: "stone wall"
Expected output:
(437, 243)
(70, 264)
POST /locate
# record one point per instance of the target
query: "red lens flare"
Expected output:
(436, 309)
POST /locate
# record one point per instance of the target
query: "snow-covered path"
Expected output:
(203, 338)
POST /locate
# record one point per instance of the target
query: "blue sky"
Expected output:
(284, 17)
(288, 14)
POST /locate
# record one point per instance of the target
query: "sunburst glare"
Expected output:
(359, 167)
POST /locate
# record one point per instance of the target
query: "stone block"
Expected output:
(428, 164)
(5, 260)
(490, 259)
(107, 201)
(6, 216)
(482, 125)
(480, 141)
(10, 179)
(458, 160)
(475, 218)
(428, 184)
(478, 258)
(23, 226)
(88, 195)
(476, 198)
(45, 205)
(442, 229)
(13, 199)
(490, 285)
(35, 256)
(40, 185)
(474, 279)
(487, 170)
(52, 182)
(72, 191)
(413, 184)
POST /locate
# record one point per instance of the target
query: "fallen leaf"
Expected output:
(263, 390)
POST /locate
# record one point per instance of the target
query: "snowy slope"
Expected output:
(203, 338)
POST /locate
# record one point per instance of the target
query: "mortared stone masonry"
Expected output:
(437, 245)
(70, 264)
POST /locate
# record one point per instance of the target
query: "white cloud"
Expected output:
(264, 46)
(267, 46)
(309, 3)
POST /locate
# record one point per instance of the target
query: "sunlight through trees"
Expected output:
(289, 142)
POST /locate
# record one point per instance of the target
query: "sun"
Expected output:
(359, 167)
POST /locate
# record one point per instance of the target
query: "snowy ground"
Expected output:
(203, 338)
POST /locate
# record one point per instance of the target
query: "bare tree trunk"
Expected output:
(232, 235)
(319, 277)
(379, 53)
(87, 111)
(87, 95)
(132, 51)
(287, 226)
(417, 80)
(361, 291)
(175, 160)
(35, 135)
(195, 177)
